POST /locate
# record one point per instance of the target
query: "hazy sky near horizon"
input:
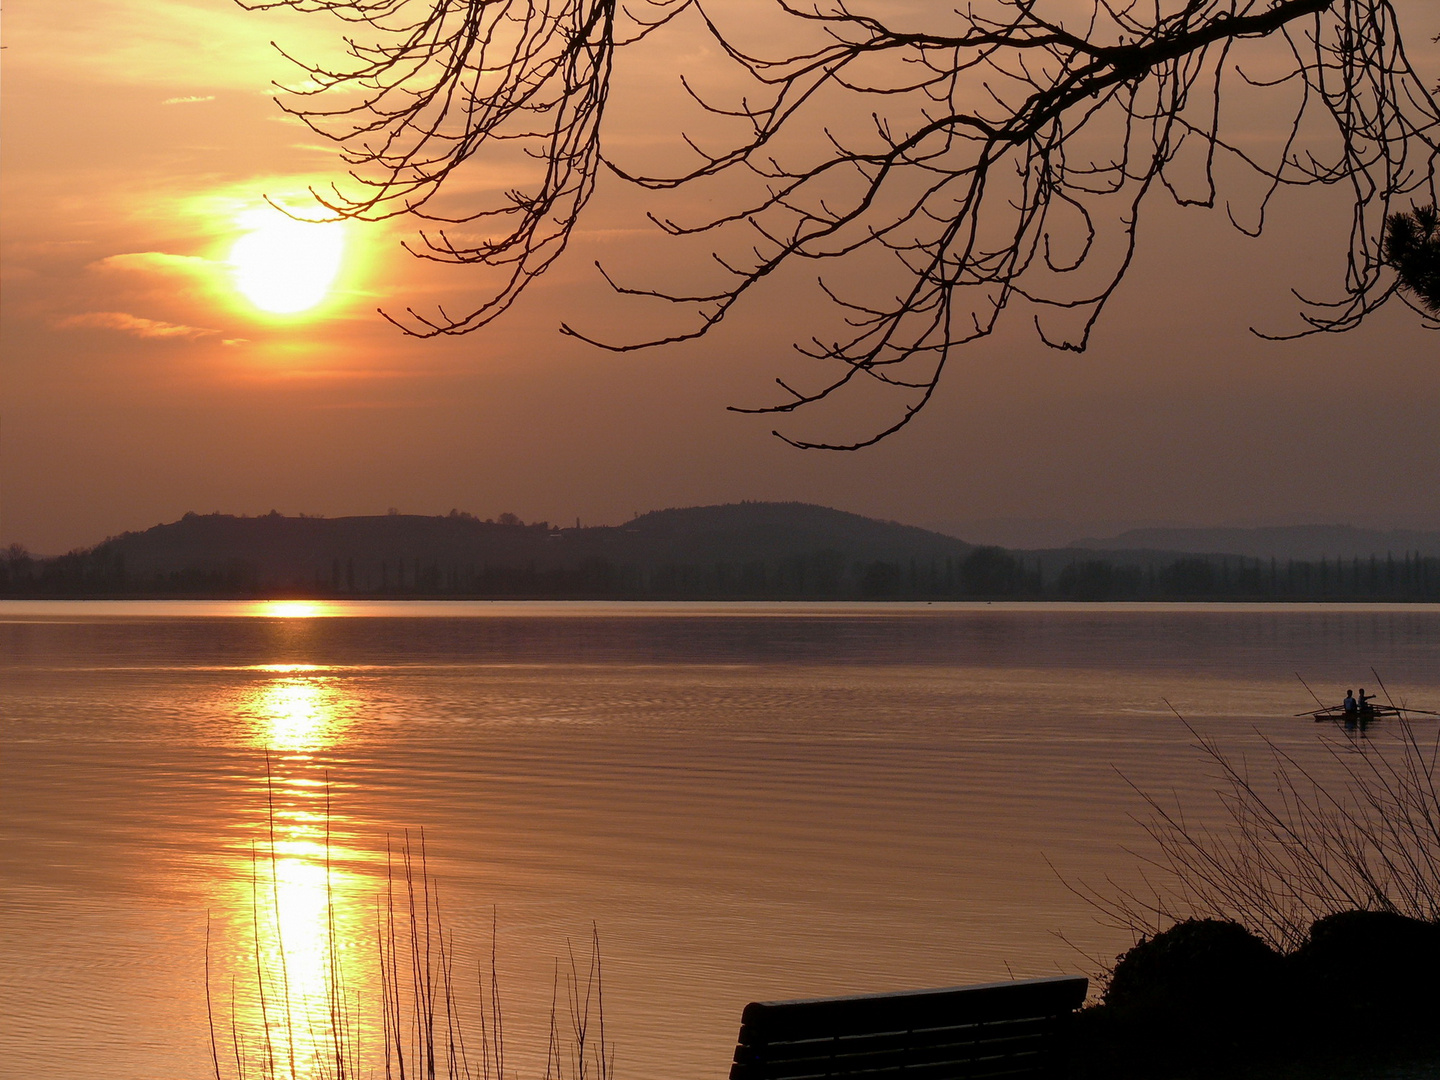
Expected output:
(139, 381)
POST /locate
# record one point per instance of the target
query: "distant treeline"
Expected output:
(1411, 577)
(982, 574)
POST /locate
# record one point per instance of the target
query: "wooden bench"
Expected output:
(991, 1030)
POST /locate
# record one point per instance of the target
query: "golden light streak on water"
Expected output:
(291, 609)
(302, 711)
(288, 1009)
(299, 712)
(297, 914)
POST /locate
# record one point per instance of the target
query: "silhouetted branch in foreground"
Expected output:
(1360, 830)
(937, 169)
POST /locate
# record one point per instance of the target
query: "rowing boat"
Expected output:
(1366, 713)
(1359, 716)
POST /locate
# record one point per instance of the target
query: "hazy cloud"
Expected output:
(187, 100)
(156, 260)
(134, 324)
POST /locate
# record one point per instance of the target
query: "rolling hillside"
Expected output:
(743, 549)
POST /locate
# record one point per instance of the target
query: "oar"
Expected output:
(1398, 708)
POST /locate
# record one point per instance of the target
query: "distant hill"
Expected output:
(741, 549)
(1032, 534)
(1310, 542)
(758, 530)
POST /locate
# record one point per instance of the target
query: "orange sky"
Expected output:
(139, 384)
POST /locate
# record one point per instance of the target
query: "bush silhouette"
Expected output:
(1202, 992)
(1368, 970)
(1198, 967)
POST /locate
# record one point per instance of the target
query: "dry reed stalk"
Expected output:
(1295, 845)
(421, 1023)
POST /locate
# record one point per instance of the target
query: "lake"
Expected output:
(744, 801)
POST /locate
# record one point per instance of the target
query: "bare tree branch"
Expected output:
(997, 155)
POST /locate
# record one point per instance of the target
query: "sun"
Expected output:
(285, 266)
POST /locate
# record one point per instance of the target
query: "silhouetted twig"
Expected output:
(418, 1014)
(1295, 845)
(941, 168)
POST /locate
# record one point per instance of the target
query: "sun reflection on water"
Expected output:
(298, 893)
(291, 609)
(291, 1010)
(301, 711)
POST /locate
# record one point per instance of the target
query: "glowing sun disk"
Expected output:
(284, 266)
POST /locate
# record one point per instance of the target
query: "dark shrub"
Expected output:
(1207, 998)
(1375, 968)
(1200, 967)
(1203, 994)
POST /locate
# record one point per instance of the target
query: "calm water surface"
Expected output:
(747, 801)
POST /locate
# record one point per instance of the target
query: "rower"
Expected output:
(1350, 706)
(1365, 700)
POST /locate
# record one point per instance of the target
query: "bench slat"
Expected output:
(910, 1057)
(919, 1008)
(1000, 1065)
(959, 1033)
(913, 1054)
(848, 1042)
